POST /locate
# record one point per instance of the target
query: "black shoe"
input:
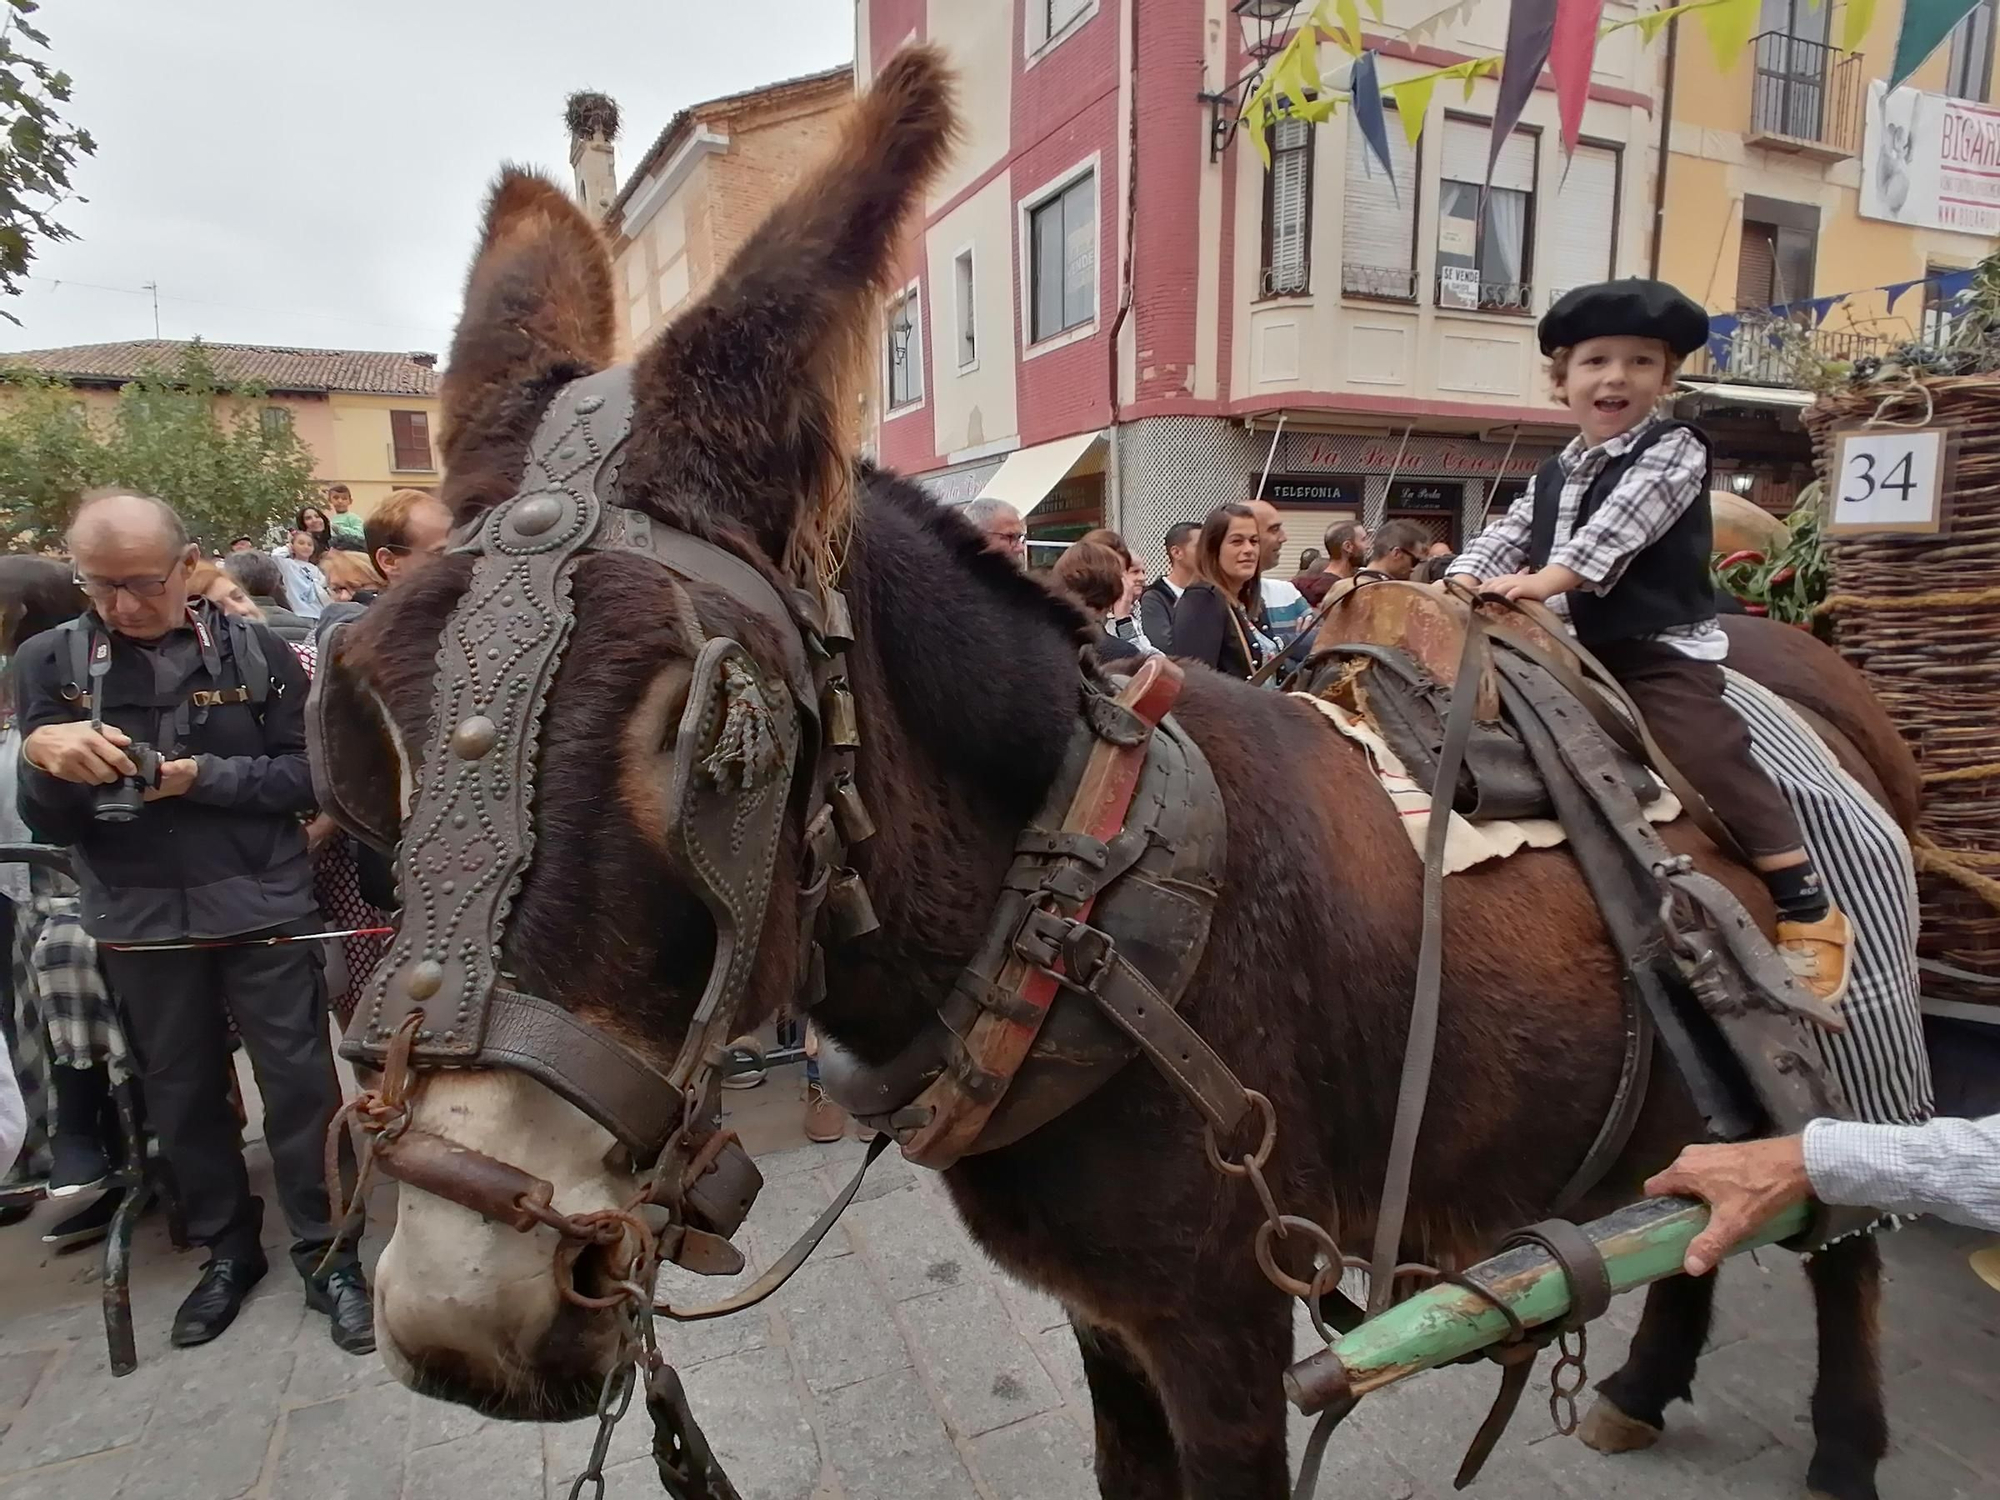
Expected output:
(80, 1165)
(86, 1226)
(343, 1296)
(216, 1299)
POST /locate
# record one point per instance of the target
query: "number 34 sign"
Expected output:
(1891, 479)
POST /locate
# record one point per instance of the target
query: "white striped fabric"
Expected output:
(1865, 861)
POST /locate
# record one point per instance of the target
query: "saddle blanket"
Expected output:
(1466, 843)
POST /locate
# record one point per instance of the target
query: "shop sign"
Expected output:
(1320, 491)
(1425, 494)
(1423, 454)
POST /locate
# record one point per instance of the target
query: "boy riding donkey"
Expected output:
(1615, 533)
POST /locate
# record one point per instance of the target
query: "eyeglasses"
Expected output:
(104, 590)
(402, 551)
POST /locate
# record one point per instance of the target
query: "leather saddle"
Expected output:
(1400, 646)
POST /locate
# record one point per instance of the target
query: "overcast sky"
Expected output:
(311, 176)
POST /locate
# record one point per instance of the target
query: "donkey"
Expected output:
(965, 674)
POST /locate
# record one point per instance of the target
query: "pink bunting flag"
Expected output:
(1571, 53)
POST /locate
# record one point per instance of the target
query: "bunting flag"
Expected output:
(1413, 103)
(1571, 53)
(1721, 338)
(1366, 92)
(1895, 289)
(1926, 23)
(1531, 26)
(1854, 24)
(1730, 25)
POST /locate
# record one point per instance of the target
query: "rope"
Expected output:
(1942, 599)
(1955, 865)
(1987, 771)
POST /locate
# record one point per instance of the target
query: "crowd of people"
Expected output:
(159, 738)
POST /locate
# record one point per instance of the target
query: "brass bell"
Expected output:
(843, 729)
(849, 810)
(839, 632)
(849, 912)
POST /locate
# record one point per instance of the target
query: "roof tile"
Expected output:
(359, 371)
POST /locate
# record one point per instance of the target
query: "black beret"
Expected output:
(1634, 307)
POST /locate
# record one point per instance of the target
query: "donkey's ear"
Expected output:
(747, 403)
(538, 312)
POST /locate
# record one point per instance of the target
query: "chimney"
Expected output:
(424, 357)
(593, 126)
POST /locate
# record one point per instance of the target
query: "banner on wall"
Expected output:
(1930, 161)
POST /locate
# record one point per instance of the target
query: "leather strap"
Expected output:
(781, 1271)
(1582, 1265)
(602, 1077)
(1421, 1047)
(1629, 733)
(1517, 1363)
(1169, 1042)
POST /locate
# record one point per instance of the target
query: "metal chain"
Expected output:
(1329, 1262)
(1567, 1378)
(612, 1402)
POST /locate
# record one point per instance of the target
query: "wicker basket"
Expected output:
(1920, 616)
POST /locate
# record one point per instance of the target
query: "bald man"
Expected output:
(1285, 608)
(164, 743)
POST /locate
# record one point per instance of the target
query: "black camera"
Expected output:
(120, 802)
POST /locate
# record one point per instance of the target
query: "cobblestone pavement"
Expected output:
(901, 1365)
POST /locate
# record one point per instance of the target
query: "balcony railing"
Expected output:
(1465, 292)
(1293, 280)
(1805, 96)
(1768, 350)
(1385, 283)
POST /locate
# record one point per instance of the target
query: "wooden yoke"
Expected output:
(992, 1049)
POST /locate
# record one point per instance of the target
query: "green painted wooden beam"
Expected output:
(1640, 1243)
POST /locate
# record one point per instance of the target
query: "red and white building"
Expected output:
(1108, 322)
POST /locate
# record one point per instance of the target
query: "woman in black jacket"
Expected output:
(1214, 620)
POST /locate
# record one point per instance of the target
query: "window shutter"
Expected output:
(1378, 219)
(1466, 143)
(1291, 175)
(1578, 243)
(1755, 266)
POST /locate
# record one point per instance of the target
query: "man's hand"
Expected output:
(176, 776)
(321, 828)
(1743, 1186)
(80, 753)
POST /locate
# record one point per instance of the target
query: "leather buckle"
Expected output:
(1085, 953)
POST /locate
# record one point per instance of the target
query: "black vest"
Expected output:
(1666, 585)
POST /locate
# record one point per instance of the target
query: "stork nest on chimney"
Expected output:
(589, 114)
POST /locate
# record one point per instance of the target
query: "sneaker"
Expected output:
(825, 1120)
(86, 1226)
(80, 1165)
(746, 1064)
(1818, 954)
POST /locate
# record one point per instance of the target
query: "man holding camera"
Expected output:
(164, 742)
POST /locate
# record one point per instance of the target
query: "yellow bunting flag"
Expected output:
(1730, 25)
(1860, 15)
(1413, 103)
(1350, 23)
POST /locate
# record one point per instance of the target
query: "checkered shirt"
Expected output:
(1661, 484)
(1947, 1167)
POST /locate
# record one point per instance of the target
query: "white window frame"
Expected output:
(970, 255)
(910, 293)
(1037, 41)
(1024, 239)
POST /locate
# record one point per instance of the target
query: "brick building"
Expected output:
(705, 183)
(1113, 315)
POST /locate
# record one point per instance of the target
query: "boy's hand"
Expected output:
(1544, 583)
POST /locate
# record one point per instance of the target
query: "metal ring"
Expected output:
(1264, 1147)
(1283, 1280)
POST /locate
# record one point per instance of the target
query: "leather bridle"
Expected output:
(757, 750)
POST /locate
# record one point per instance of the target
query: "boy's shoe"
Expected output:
(825, 1120)
(1819, 954)
(86, 1226)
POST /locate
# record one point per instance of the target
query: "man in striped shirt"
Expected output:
(1946, 1167)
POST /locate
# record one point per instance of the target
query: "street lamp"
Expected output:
(1225, 109)
(900, 329)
